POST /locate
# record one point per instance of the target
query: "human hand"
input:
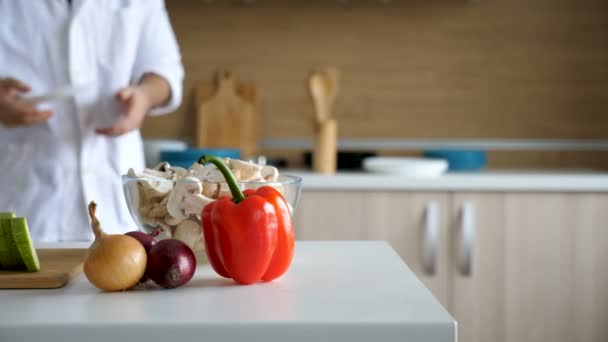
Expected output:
(14, 113)
(136, 104)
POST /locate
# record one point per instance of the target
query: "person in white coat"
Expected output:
(57, 156)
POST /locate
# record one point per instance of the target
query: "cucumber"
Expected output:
(9, 255)
(23, 241)
(4, 253)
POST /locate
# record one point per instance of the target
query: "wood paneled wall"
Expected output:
(411, 69)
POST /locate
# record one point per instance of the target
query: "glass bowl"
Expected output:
(147, 199)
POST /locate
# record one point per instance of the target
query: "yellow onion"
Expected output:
(113, 262)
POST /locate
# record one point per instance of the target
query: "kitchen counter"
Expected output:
(334, 291)
(521, 181)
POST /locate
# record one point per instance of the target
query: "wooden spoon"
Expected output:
(323, 86)
(332, 78)
(316, 85)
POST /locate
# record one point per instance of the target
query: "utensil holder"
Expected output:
(325, 149)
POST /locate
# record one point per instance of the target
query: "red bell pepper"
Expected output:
(248, 237)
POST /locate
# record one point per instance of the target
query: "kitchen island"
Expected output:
(334, 291)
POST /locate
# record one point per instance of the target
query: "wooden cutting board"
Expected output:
(57, 268)
(226, 115)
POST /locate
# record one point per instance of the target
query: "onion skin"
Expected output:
(147, 240)
(114, 262)
(117, 263)
(171, 263)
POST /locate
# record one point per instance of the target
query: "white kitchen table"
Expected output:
(334, 291)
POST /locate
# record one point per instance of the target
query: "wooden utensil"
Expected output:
(324, 157)
(317, 92)
(226, 115)
(332, 78)
(57, 268)
(323, 88)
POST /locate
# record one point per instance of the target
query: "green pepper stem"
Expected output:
(237, 194)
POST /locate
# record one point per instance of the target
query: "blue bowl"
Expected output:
(190, 156)
(460, 160)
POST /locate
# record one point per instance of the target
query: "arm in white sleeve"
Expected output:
(158, 53)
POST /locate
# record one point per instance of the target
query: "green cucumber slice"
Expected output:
(4, 253)
(9, 255)
(23, 241)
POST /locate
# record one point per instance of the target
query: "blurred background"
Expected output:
(501, 70)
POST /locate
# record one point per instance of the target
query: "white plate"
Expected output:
(59, 94)
(406, 166)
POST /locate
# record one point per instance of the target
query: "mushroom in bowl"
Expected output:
(172, 198)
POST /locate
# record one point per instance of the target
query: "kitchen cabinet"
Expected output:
(556, 248)
(476, 266)
(537, 267)
(330, 216)
(509, 266)
(415, 224)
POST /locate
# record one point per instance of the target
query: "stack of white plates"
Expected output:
(406, 166)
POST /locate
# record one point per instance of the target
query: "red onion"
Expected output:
(171, 263)
(147, 240)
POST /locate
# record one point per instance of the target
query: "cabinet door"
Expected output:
(537, 267)
(330, 215)
(476, 276)
(556, 273)
(413, 223)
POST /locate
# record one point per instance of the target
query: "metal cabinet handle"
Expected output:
(431, 238)
(467, 238)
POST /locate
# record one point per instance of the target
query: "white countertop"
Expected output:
(334, 291)
(520, 181)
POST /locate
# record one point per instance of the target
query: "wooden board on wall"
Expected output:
(411, 69)
(226, 114)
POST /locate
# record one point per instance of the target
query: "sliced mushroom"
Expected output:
(152, 184)
(165, 233)
(208, 174)
(224, 190)
(211, 190)
(159, 210)
(148, 193)
(157, 173)
(186, 198)
(149, 221)
(201, 172)
(194, 204)
(199, 247)
(178, 172)
(172, 221)
(237, 175)
(270, 173)
(163, 166)
(153, 190)
(216, 176)
(171, 172)
(189, 232)
(247, 171)
(197, 170)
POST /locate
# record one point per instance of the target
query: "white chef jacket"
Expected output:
(50, 172)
